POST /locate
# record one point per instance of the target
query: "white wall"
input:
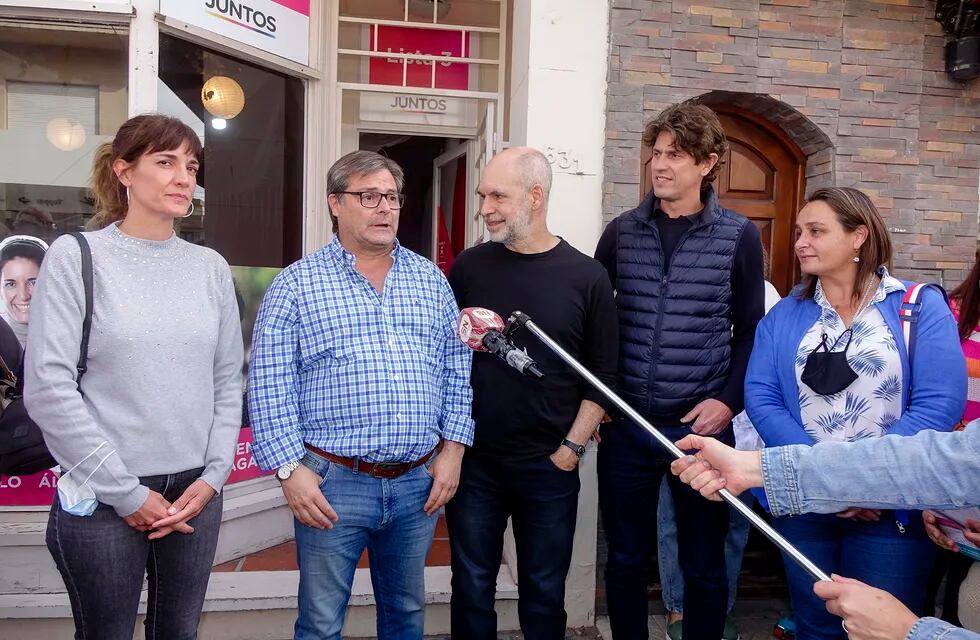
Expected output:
(558, 105)
(558, 92)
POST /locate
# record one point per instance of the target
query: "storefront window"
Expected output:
(249, 199)
(63, 92)
(250, 189)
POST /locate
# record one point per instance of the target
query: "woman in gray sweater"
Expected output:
(147, 439)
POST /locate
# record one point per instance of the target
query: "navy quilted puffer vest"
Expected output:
(675, 328)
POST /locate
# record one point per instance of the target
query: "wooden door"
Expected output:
(761, 178)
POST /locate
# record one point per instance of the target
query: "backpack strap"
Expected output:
(87, 283)
(908, 315)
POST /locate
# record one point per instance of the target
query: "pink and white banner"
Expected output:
(281, 27)
(38, 489)
(28, 491)
(245, 467)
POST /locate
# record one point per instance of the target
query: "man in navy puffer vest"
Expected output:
(689, 290)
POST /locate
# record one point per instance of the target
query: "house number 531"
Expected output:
(561, 159)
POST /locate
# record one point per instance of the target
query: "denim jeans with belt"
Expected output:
(543, 501)
(380, 514)
(632, 466)
(103, 561)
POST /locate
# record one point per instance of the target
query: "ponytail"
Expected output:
(137, 136)
(109, 193)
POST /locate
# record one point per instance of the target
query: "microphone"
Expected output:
(482, 330)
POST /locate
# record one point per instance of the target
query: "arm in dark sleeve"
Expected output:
(601, 349)
(748, 307)
(605, 251)
(455, 279)
(13, 355)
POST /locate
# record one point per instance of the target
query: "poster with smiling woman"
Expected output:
(20, 262)
(18, 271)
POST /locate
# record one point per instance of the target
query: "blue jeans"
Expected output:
(543, 501)
(103, 560)
(386, 517)
(671, 578)
(632, 466)
(873, 552)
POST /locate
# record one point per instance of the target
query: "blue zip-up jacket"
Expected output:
(677, 347)
(938, 375)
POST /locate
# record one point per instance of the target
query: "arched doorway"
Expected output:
(763, 178)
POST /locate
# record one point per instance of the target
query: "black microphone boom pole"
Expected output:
(519, 319)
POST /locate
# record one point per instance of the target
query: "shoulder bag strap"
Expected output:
(908, 314)
(87, 279)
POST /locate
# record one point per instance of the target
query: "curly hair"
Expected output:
(696, 131)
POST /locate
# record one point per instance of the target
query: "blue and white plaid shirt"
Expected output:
(380, 377)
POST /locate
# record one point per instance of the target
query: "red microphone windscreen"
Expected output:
(473, 324)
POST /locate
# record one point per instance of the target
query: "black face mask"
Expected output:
(828, 372)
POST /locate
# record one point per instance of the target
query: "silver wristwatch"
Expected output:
(286, 470)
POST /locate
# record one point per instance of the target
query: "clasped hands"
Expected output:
(162, 518)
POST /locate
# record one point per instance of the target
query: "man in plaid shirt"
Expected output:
(356, 378)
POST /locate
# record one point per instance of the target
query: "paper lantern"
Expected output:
(65, 134)
(223, 97)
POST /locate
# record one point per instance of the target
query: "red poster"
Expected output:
(38, 489)
(449, 75)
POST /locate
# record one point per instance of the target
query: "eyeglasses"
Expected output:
(372, 199)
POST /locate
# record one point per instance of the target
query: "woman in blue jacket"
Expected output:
(830, 364)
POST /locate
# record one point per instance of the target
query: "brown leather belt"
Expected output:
(374, 469)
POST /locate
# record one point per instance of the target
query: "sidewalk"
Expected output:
(756, 619)
(573, 634)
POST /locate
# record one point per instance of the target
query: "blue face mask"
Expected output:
(79, 499)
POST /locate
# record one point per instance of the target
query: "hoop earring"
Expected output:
(857, 259)
(190, 212)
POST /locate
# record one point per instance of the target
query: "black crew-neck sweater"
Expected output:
(569, 296)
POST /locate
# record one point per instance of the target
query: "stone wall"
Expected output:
(859, 86)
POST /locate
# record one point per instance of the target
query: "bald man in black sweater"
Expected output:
(530, 434)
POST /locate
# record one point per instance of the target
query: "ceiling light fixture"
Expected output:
(223, 97)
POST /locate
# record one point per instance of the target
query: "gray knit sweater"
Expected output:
(164, 380)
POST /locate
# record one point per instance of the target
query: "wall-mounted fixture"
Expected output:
(961, 19)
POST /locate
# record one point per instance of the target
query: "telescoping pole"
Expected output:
(521, 319)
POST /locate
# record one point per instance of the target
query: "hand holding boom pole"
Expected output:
(521, 320)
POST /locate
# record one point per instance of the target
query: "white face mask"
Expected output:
(79, 499)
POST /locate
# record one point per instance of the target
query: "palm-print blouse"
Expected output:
(873, 402)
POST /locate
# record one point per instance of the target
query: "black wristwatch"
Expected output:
(579, 449)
